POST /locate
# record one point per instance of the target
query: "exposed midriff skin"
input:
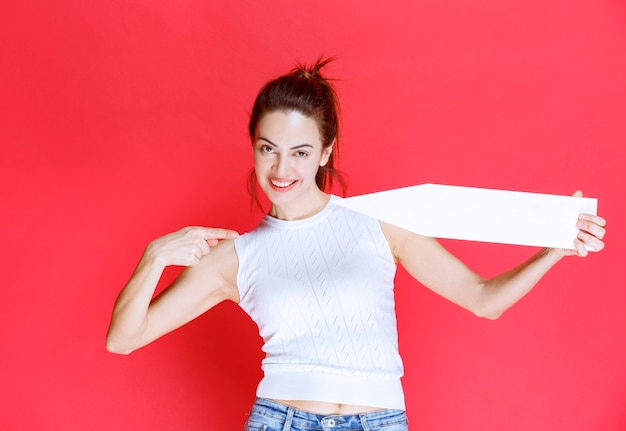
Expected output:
(324, 408)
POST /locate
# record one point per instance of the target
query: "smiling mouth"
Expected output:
(282, 184)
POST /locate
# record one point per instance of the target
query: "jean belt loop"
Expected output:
(288, 419)
(364, 424)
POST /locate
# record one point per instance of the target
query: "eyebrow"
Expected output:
(292, 148)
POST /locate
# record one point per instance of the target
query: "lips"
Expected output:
(282, 185)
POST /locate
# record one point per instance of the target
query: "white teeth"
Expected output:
(282, 183)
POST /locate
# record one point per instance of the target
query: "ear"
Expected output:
(326, 152)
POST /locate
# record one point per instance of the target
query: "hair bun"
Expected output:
(311, 72)
(304, 74)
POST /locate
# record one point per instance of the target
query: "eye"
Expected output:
(301, 154)
(266, 149)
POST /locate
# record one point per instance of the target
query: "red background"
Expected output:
(122, 121)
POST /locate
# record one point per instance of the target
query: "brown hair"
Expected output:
(303, 90)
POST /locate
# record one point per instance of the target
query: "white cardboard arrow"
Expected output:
(478, 214)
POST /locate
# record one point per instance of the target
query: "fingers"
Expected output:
(592, 224)
(580, 248)
(204, 238)
(592, 230)
(187, 246)
(203, 246)
(587, 243)
(591, 227)
(592, 219)
(187, 249)
(210, 233)
(198, 249)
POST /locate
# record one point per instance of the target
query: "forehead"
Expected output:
(288, 128)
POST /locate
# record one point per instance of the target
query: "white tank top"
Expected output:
(321, 292)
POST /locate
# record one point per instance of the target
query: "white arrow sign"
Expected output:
(478, 214)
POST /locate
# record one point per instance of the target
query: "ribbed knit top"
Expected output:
(321, 292)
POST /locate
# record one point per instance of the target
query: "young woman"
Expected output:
(315, 277)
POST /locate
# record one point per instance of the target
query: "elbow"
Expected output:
(114, 348)
(489, 314)
(488, 311)
(114, 345)
(487, 305)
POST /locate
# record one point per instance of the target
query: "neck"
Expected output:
(300, 210)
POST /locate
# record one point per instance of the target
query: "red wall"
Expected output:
(122, 121)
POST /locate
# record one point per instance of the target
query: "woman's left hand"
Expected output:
(592, 229)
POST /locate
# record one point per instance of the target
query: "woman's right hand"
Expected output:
(187, 246)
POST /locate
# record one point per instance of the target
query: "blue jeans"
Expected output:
(267, 415)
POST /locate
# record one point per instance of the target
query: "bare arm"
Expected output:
(428, 262)
(210, 277)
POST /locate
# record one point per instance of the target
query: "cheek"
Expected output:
(258, 170)
(312, 171)
(259, 162)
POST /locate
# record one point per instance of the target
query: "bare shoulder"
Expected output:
(404, 242)
(217, 269)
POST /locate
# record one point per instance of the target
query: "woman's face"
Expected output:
(287, 154)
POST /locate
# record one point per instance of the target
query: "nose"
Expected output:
(281, 166)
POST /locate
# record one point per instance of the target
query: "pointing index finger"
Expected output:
(217, 233)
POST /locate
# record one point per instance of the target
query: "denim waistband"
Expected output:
(273, 416)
